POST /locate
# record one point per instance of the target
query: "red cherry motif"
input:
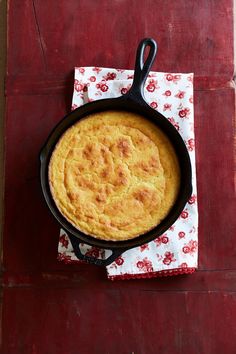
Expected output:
(92, 78)
(74, 106)
(187, 110)
(184, 112)
(152, 82)
(79, 86)
(144, 247)
(169, 257)
(180, 94)
(82, 70)
(152, 85)
(154, 104)
(184, 214)
(124, 90)
(145, 265)
(164, 239)
(140, 264)
(102, 86)
(192, 199)
(97, 70)
(63, 240)
(191, 144)
(175, 124)
(110, 76)
(167, 106)
(161, 239)
(151, 88)
(93, 252)
(191, 99)
(190, 78)
(191, 247)
(176, 78)
(167, 261)
(148, 265)
(169, 77)
(119, 261)
(64, 258)
(181, 234)
(183, 265)
(167, 93)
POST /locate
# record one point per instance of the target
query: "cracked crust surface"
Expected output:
(114, 175)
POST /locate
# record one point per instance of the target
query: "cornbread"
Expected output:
(114, 175)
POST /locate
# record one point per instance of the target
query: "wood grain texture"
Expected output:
(72, 322)
(191, 35)
(50, 307)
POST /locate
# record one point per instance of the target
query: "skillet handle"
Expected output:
(142, 68)
(93, 260)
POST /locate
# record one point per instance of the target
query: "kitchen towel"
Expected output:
(176, 251)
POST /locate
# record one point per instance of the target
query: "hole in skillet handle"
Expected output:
(142, 69)
(93, 260)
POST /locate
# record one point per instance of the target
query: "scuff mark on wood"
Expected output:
(41, 41)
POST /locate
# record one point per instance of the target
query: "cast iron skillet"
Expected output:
(132, 101)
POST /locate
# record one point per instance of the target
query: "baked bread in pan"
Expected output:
(114, 175)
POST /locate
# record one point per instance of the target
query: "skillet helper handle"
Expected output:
(93, 260)
(142, 68)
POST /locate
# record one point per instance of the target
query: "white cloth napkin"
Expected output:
(176, 251)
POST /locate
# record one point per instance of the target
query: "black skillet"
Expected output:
(132, 101)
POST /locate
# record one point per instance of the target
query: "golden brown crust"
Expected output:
(114, 175)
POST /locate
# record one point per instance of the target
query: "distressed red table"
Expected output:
(49, 307)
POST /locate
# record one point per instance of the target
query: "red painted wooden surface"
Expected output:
(49, 307)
